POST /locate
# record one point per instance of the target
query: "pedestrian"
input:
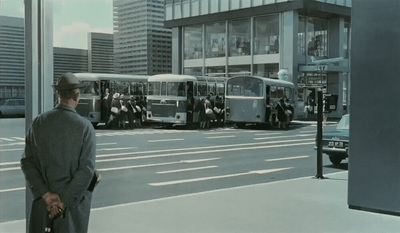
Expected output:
(106, 105)
(59, 164)
(219, 110)
(209, 113)
(202, 113)
(282, 117)
(131, 111)
(115, 118)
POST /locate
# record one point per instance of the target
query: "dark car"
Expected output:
(12, 107)
(335, 143)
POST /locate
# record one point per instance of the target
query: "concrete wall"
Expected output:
(374, 162)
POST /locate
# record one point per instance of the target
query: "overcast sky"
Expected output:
(72, 19)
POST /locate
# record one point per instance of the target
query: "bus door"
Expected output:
(106, 98)
(267, 103)
(190, 101)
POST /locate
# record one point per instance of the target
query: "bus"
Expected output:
(92, 102)
(172, 98)
(252, 99)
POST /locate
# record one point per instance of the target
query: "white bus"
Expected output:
(252, 99)
(92, 104)
(172, 98)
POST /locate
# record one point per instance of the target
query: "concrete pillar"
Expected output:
(177, 50)
(335, 80)
(39, 65)
(374, 174)
(288, 46)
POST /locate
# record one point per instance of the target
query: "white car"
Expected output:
(12, 107)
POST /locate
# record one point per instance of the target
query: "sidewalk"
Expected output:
(304, 205)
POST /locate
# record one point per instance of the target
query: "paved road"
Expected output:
(152, 163)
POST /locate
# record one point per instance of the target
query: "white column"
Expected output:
(39, 65)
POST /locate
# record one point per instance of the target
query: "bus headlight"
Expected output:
(178, 117)
(258, 116)
(149, 115)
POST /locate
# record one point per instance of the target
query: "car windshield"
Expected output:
(344, 123)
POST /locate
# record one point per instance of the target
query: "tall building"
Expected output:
(100, 52)
(142, 45)
(263, 37)
(12, 57)
(69, 60)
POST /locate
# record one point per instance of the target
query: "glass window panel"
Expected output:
(214, 6)
(217, 71)
(317, 35)
(239, 70)
(204, 7)
(266, 38)
(246, 3)
(177, 11)
(195, 8)
(239, 35)
(193, 42)
(186, 9)
(235, 5)
(193, 71)
(168, 12)
(202, 89)
(176, 89)
(224, 5)
(301, 36)
(215, 40)
(257, 2)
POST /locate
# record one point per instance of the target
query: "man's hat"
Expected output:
(68, 81)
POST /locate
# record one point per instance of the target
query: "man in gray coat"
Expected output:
(59, 164)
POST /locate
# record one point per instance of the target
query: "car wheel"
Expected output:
(336, 160)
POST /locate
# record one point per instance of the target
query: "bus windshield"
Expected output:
(245, 87)
(176, 89)
(91, 88)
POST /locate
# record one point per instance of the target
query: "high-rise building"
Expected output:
(12, 57)
(142, 45)
(69, 60)
(100, 53)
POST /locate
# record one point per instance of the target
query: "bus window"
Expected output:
(202, 89)
(154, 89)
(280, 92)
(220, 89)
(136, 88)
(253, 87)
(163, 88)
(273, 92)
(288, 92)
(92, 88)
(195, 88)
(176, 89)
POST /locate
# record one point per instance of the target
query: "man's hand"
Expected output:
(54, 204)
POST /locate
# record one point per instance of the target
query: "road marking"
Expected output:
(9, 169)
(155, 164)
(288, 136)
(167, 140)
(260, 172)
(287, 158)
(203, 147)
(106, 144)
(121, 148)
(266, 134)
(11, 190)
(226, 136)
(13, 144)
(308, 131)
(7, 139)
(15, 149)
(187, 169)
(206, 151)
(219, 132)
(19, 138)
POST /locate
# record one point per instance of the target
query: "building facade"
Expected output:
(263, 37)
(100, 52)
(12, 57)
(142, 45)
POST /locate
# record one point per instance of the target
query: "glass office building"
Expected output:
(263, 37)
(142, 45)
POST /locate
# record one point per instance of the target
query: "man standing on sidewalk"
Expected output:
(59, 164)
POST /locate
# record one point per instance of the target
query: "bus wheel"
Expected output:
(94, 125)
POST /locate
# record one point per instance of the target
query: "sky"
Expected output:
(72, 19)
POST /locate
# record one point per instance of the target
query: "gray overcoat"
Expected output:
(60, 153)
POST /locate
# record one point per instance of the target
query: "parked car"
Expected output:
(12, 107)
(335, 143)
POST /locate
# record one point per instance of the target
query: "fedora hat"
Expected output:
(68, 81)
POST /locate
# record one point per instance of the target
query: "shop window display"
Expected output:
(239, 35)
(193, 42)
(215, 40)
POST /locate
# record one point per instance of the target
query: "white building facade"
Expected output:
(262, 37)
